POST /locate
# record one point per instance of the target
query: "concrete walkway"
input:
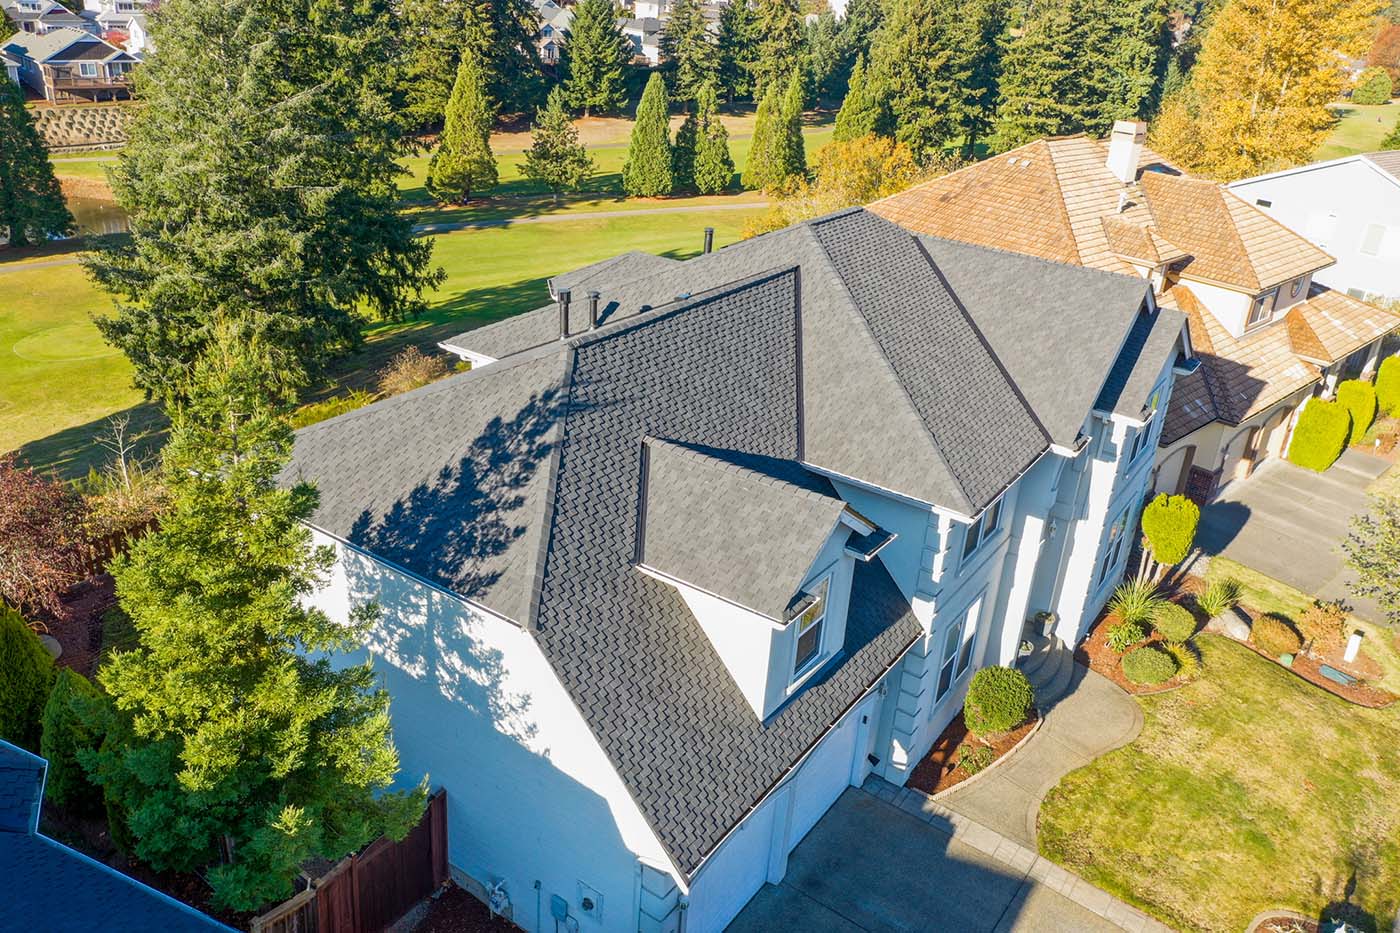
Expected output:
(1093, 717)
(1288, 523)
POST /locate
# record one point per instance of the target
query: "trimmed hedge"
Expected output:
(65, 732)
(1373, 86)
(1321, 434)
(26, 674)
(1175, 622)
(998, 700)
(1388, 385)
(1358, 398)
(1149, 665)
(1275, 636)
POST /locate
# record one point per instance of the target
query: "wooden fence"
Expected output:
(368, 891)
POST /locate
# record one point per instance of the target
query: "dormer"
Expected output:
(762, 552)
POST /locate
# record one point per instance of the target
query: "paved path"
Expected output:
(26, 266)
(1093, 717)
(889, 859)
(1288, 523)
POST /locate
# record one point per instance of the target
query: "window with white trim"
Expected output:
(982, 529)
(87, 69)
(1262, 309)
(1113, 552)
(1297, 287)
(810, 626)
(958, 643)
(1143, 434)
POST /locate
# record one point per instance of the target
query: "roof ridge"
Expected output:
(555, 438)
(1237, 240)
(691, 451)
(1060, 201)
(1225, 190)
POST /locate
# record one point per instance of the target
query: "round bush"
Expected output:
(1274, 636)
(1373, 86)
(26, 673)
(1174, 622)
(1148, 665)
(998, 700)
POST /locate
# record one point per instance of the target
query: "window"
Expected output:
(982, 529)
(1114, 551)
(1371, 240)
(1297, 287)
(958, 642)
(809, 629)
(1262, 309)
(87, 69)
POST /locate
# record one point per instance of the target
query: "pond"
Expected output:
(97, 215)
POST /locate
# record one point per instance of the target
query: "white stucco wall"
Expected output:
(1231, 308)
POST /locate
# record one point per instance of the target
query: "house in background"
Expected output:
(52, 887)
(11, 66)
(701, 544)
(1268, 334)
(40, 16)
(1350, 207)
(553, 22)
(67, 64)
(645, 35)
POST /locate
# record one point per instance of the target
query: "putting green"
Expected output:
(73, 341)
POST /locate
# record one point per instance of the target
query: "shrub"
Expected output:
(1324, 624)
(1136, 601)
(1219, 598)
(1188, 663)
(1169, 523)
(26, 674)
(411, 369)
(1149, 665)
(1124, 635)
(998, 700)
(974, 758)
(1320, 435)
(1359, 398)
(1273, 635)
(66, 730)
(1388, 378)
(1373, 86)
(310, 414)
(1174, 622)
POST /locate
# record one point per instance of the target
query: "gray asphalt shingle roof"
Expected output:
(1151, 342)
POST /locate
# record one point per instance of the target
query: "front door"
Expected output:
(1200, 485)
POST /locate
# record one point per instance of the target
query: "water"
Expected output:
(97, 215)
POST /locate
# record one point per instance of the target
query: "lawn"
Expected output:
(1247, 789)
(1359, 129)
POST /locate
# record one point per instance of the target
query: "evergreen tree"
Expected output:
(683, 153)
(777, 26)
(714, 168)
(595, 59)
(31, 203)
(233, 740)
(555, 156)
(857, 30)
(689, 57)
(260, 179)
(764, 169)
(26, 675)
(737, 50)
(921, 61)
(1392, 141)
(829, 70)
(647, 171)
(66, 731)
(861, 113)
(985, 38)
(793, 151)
(438, 33)
(463, 162)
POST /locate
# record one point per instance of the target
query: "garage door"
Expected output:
(733, 874)
(824, 776)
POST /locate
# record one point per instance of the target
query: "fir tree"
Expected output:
(595, 59)
(737, 50)
(861, 113)
(556, 157)
(235, 746)
(31, 203)
(777, 25)
(986, 29)
(793, 151)
(714, 168)
(1392, 141)
(689, 56)
(683, 153)
(463, 162)
(857, 30)
(260, 179)
(921, 61)
(647, 171)
(829, 71)
(764, 170)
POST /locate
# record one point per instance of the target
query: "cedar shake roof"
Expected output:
(1135, 241)
(1388, 162)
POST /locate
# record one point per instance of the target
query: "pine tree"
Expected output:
(1257, 98)
(829, 70)
(647, 171)
(233, 740)
(463, 162)
(595, 59)
(857, 30)
(737, 50)
(793, 150)
(985, 40)
(690, 58)
(683, 154)
(764, 168)
(777, 24)
(861, 113)
(260, 179)
(556, 157)
(32, 208)
(921, 61)
(714, 168)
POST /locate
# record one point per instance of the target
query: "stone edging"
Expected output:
(1272, 913)
(1040, 721)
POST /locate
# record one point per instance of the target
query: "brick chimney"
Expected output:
(1125, 149)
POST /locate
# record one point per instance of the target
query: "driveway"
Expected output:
(1288, 523)
(872, 865)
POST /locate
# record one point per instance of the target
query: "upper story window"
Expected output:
(1296, 288)
(810, 626)
(1113, 553)
(982, 529)
(1262, 309)
(958, 642)
(1142, 435)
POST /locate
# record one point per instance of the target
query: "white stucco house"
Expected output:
(701, 544)
(1350, 207)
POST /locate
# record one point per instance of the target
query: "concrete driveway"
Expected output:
(1288, 523)
(870, 865)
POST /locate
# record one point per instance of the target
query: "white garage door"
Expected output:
(823, 777)
(733, 875)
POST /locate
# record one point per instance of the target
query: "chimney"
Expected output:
(563, 313)
(593, 310)
(709, 239)
(1125, 149)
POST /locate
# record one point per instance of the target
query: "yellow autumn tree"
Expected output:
(1257, 98)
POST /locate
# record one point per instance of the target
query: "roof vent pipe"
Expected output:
(1125, 149)
(593, 310)
(563, 313)
(709, 239)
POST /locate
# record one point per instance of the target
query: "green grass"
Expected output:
(1359, 129)
(1247, 789)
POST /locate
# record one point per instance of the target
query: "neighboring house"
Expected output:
(1349, 207)
(66, 64)
(49, 886)
(645, 36)
(552, 29)
(40, 16)
(673, 566)
(1267, 334)
(11, 66)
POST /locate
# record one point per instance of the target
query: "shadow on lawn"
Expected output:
(73, 451)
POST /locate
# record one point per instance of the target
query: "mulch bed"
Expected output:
(456, 911)
(1093, 652)
(939, 771)
(1286, 925)
(78, 625)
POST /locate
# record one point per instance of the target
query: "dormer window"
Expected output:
(808, 626)
(981, 530)
(1262, 309)
(1297, 288)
